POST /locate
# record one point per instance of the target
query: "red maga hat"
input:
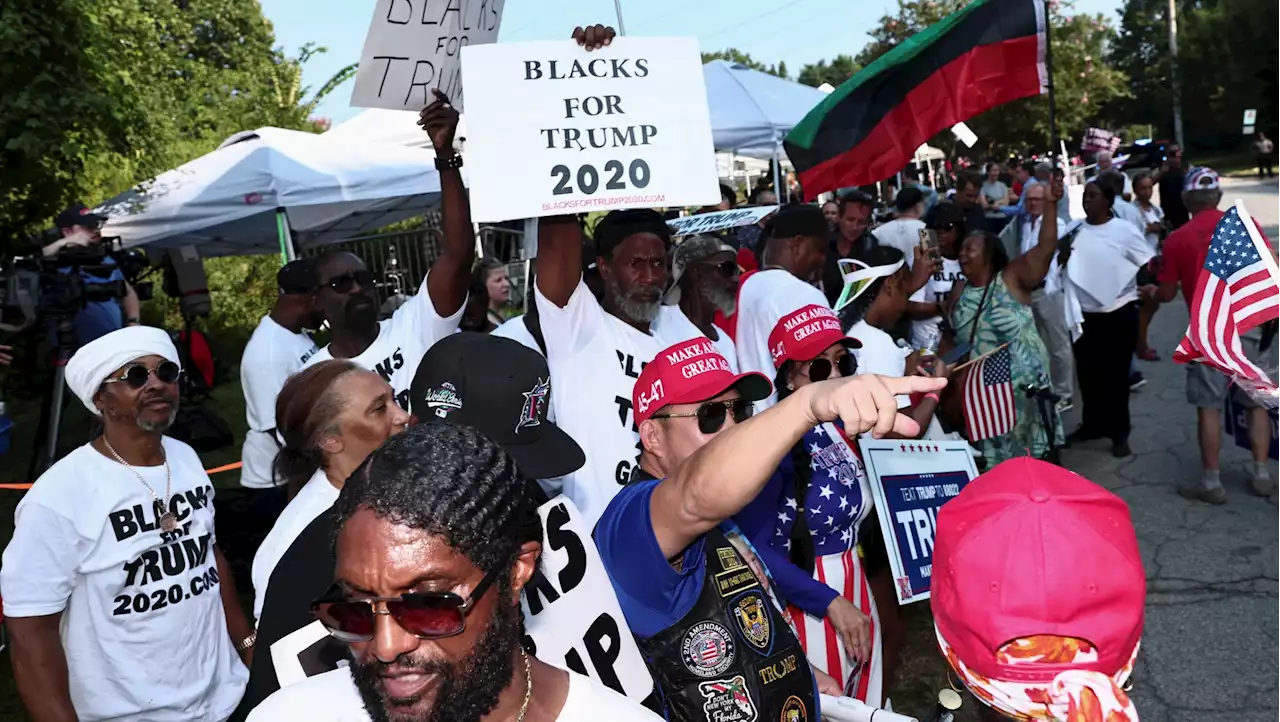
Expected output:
(1031, 549)
(690, 372)
(805, 334)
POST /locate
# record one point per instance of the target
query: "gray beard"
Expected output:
(160, 426)
(628, 309)
(720, 297)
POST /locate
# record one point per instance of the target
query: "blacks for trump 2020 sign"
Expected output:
(553, 129)
(910, 481)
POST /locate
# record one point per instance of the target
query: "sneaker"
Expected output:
(1262, 485)
(1064, 406)
(1196, 492)
(1121, 449)
(1136, 381)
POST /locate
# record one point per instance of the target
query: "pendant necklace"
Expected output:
(168, 522)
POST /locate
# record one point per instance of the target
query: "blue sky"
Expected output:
(794, 31)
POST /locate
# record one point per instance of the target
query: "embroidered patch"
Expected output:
(535, 404)
(729, 559)
(793, 710)
(753, 619)
(444, 400)
(727, 700)
(707, 649)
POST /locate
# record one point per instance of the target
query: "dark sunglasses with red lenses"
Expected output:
(820, 368)
(136, 376)
(712, 414)
(425, 615)
(345, 282)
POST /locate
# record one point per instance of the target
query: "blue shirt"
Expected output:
(1016, 209)
(98, 318)
(652, 594)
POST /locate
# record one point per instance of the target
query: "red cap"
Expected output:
(805, 334)
(1029, 549)
(689, 372)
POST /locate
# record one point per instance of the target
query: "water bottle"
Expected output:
(949, 701)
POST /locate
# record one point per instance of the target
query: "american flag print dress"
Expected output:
(838, 499)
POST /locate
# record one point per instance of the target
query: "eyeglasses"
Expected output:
(344, 282)
(820, 368)
(425, 615)
(945, 227)
(711, 415)
(136, 376)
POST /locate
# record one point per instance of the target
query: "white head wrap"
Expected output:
(98, 359)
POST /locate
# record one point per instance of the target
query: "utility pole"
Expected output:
(1173, 74)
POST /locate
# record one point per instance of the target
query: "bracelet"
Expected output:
(452, 162)
(934, 395)
(247, 642)
(132, 321)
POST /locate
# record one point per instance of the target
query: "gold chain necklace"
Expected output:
(168, 522)
(528, 686)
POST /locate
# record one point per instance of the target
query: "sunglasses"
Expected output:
(727, 268)
(945, 227)
(425, 615)
(711, 415)
(344, 283)
(820, 368)
(167, 372)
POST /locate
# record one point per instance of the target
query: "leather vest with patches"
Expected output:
(732, 658)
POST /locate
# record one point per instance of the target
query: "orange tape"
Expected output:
(211, 472)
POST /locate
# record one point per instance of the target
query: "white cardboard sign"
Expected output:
(414, 46)
(571, 615)
(718, 221)
(553, 129)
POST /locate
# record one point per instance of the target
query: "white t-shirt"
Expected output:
(935, 290)
(1126, 244)
(313, 499)
(688, 329)
(880, 355)
(273, 354)
(1030, 238)
(902, 234)
(1128, 182)
(143, 628)
(763, 299)
(333, 697)
(1151, 214)
(1127, 211)
(595, 359)
(402, 341)
(516, 330)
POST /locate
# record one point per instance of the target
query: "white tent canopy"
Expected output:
(225, 202)
(752, 111)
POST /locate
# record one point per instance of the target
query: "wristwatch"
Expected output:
(453, 161)
(132, 321)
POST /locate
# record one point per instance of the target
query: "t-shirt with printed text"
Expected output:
(273, 354)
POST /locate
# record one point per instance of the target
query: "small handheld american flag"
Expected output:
(1236, 291)
(988, 397)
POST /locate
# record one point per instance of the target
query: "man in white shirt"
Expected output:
(794, 256)
(1106, 165)
(437, 536)
(1047, 301)
(704, 280)
(596, 348)
(117, 601)
(277, 349)
(903, 232)
(346, 295)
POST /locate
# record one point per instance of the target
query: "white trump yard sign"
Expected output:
(414, 46)
(553, 129)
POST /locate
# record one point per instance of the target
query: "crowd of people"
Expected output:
(693, 405)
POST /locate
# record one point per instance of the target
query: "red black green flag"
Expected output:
(988, 53)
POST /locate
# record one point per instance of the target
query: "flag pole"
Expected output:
(1048, 68)
(617, 9)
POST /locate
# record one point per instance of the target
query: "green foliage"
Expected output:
(1227, 63)
(1084, 83)
(734, 55)
(242, 289)
(840, 69)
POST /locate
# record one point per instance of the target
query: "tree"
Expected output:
(734, 55)
(290, 106)
(1084, 83)
(840, 69)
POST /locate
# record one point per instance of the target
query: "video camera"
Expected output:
(35, 287)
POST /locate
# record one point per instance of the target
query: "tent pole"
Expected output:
(776, 184)
(287, 251)
(617, 8)
(1048, 66)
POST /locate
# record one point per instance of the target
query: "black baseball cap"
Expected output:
(78, 214)
(297, 277)
(501, 389)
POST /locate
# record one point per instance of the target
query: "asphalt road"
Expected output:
(1209, 649)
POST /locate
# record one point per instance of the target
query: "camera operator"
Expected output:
(81, 227)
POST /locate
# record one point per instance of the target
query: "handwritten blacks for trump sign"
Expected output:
(553, 129)
(415, 46)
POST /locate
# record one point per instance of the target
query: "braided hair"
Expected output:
(450, 481)
(802, 550)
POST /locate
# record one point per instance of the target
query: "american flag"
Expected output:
(1234, 293)
(988, 397)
